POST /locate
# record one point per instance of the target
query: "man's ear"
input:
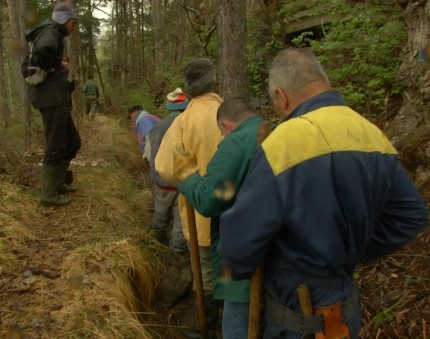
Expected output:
(226, 126)
(282, 98)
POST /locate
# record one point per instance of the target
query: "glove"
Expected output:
(36, 78)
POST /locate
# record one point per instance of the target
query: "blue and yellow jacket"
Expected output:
(323, 191)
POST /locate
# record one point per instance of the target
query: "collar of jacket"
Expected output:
(328, 98)
(206, 96)
(61, 28)
(247, 121)
(141, 114)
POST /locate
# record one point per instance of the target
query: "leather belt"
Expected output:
(299, 323)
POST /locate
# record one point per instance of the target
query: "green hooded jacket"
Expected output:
(214, 192)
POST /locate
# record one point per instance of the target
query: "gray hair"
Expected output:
(294, 68)
(199, 76)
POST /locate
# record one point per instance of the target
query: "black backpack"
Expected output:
(31, 37)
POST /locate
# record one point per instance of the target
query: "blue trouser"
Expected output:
(235, 318)
(323, 292)
(62, 140)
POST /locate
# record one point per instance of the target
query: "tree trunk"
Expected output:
(4, 111)
(72, 51)
(90, 51)
(158, 24)
(409, 130)
(20, 47)
(25, 101)
(123, 57)
(231, 28)
(180, 36)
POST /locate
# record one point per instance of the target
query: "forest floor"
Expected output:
(91, 269)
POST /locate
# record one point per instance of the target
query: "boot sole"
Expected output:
(55, 203)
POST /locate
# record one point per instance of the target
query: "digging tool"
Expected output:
(195, 263)
(256, 304)
(256, 288)
(334, 326)
(305, 304)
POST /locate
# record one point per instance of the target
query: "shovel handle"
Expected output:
(305, 304)
(197, 271)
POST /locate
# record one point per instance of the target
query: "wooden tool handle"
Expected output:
(305, 300)
(305, 305)
(197, 271)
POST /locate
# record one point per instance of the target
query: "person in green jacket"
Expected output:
(214, 192)
(91, 92)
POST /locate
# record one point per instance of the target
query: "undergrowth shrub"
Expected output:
(360, 52)
(359, 49)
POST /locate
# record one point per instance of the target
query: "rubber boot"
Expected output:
(212, 315)
(50, 177)
(64, 188)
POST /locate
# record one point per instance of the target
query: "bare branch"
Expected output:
(187, 8)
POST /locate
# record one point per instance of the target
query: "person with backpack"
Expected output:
(49, 92)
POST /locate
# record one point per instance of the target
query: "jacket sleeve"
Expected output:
(248, 227)
(405, 214)
(147, 148)
(214, 192)
(171, 156)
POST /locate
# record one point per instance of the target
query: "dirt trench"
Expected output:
(90, 269)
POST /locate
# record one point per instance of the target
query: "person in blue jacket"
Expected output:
(324, 191)
(142, 122)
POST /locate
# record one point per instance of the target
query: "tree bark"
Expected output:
(231, 28)
(4, 112)
(409, 129)
(158, 24)
(413, 74)
(20, 48)
(72, 44)
(25, 101)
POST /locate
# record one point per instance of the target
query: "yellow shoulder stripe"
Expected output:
(323, 131)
